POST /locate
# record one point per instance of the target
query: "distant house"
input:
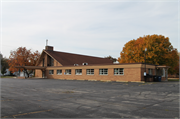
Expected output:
(7, 72)
(61, 65)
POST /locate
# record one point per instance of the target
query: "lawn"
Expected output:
(173, 79)
(7, 76)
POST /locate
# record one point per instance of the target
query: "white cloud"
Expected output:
(92, 28)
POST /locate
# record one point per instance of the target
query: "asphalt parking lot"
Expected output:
(50, 98)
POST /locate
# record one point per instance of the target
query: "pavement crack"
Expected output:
(79, 106)
(172, 100)
(22, 114)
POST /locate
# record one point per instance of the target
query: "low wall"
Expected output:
(173, 76)
(19, 77)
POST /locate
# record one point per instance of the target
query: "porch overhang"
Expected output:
(163, 67)
(160, 68)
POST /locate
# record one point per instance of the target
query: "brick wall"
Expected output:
(38, 73)
(130, 74)
(173, 76)
(57, 63)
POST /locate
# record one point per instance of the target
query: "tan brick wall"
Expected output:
(135, 74)
(130, 74)
(57, 63)
(41, 63)
(38, 73)
(47, 60)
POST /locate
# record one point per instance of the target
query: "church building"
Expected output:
(61, 65)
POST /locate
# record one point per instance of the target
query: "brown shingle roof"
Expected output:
(70, 59)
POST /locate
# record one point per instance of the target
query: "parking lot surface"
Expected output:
(51, 98)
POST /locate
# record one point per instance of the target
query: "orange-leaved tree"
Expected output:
(22, 57)
(176, 68)
(159, 51)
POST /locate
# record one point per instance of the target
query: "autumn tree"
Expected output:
(22, 57)
(159, 51)
(111, 58)
(176, 68)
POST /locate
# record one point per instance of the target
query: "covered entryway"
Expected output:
(25, 68)
(162, 71)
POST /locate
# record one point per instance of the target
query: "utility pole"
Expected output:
(46, 42)
(145, 63)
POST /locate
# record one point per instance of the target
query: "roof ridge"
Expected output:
(65, 58)
(75, 54)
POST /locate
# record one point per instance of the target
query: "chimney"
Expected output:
(49, 48)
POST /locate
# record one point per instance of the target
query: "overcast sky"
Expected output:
(94, 27)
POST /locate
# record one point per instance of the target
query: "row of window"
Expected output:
(117, 71)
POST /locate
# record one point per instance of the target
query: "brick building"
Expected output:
(60, 65)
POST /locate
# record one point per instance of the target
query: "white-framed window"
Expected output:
(76, 65)
(90, 71)
(150, 71)
(118, 71)
(103, 71)
(59, 71)
(85, 63)
(78, 71)
(51, 72)
(68, 72)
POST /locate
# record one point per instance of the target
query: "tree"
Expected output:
(159, 51)
(176, 68)
(22, 57)
(3, 70)
(111, 58)
(4, 64)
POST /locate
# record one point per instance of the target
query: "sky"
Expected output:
(89, 27)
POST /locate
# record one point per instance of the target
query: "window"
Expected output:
(59, 72)
(85, 63)
(51, 61)
(68, 71)
(78, 71)
(90, 71)
(150, 71)
(51, 72)
(103, 71)
(75, 64)
(118, 71)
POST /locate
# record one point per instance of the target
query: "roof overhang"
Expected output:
(162, 66)
(30, 67)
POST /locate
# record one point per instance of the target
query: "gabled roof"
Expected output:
(67, 59)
